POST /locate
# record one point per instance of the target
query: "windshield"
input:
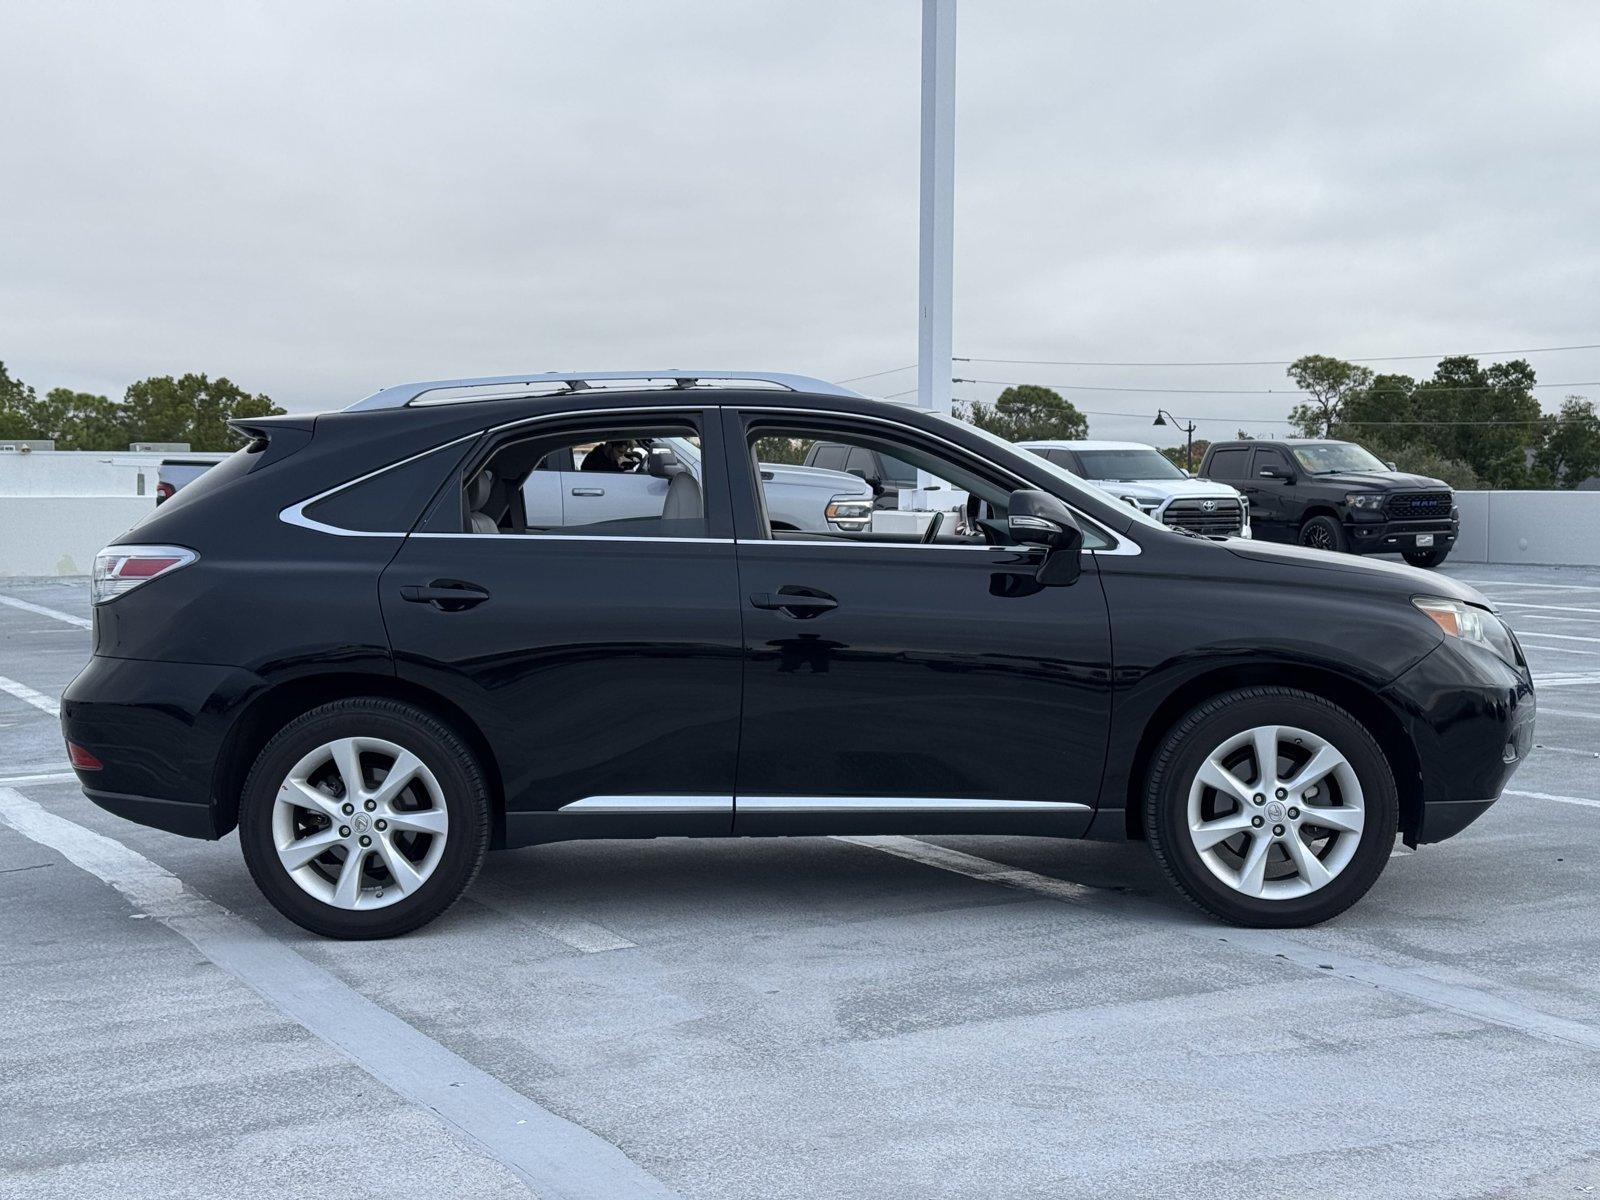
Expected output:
(1126, 465)
(1072, 485)
(1325, 458)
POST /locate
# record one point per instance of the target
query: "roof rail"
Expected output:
(506, 387)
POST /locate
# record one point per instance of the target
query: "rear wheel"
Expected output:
(1324, 533)
(1424, 558)
(1271, 807)
(364, 818)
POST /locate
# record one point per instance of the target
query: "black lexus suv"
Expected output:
(382, 641)
(1337, 496)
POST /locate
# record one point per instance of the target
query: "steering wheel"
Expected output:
(933, 528)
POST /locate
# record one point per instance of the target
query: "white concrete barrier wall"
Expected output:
(60, 535)
(1540, 528)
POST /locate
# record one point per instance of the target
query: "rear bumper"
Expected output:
(1471, 719)
(158, 728)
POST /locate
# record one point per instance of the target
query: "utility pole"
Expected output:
(936, 245)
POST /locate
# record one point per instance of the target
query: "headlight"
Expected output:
(1470, 624)
(849, 514)
(1367, 500)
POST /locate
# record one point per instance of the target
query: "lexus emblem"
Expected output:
(1208, 506)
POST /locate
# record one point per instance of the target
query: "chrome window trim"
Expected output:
(897, 804)
(1122, 545)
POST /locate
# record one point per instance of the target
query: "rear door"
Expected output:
(600, 659)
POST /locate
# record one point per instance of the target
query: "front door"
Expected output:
(1271, 500)
(600, 656)
(893, 684)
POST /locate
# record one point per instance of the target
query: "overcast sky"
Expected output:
(320, 199)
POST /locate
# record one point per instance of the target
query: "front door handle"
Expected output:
(796, 603)
(444, 594)
(588, 491)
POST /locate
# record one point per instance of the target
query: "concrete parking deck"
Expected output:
(969, 1017)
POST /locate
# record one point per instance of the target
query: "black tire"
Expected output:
(461, 781)
(1324, 533)
(1424, 558)
(1205, 728)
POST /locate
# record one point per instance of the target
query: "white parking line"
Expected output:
(1568, 712)
(1557, 679)
(23, 692)
(45, 777)
(1545, 607)
(1562, 637)
(571, 931)
(553, 1156)
(41, 610)
(1479, 999)
(1582, 801)
(1512, 583)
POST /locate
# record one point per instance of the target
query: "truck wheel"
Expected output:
(364, 818)
(1324, 533)
(1271, 807)
(1424, 558)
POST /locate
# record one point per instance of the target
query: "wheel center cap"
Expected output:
(1274, 811)
(362, 822)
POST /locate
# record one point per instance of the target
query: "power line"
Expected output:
(1086, 387)
(1273, 362)
(875, 374)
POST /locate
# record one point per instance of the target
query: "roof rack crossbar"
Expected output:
(405, 394)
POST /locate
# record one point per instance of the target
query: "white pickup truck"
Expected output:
(1139, 475)
(803, 499)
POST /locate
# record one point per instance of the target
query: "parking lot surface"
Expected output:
(951, 1017)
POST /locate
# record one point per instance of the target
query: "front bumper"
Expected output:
(1471, 718)
(1379, 536)
(158, 728)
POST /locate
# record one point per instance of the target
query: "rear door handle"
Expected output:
(588, 491)
(446, 595)
(794, 602)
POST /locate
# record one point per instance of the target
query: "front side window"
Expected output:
(595, 480)
(800, 503)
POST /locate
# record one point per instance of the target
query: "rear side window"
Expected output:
(1229, 464)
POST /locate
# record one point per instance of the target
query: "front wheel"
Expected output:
(1271, 807)
(364, 818)
(1324, 533)
(1424, 558)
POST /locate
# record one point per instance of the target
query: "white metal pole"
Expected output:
(937, 238)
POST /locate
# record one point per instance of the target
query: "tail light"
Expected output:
(119, 569)
(82, 759)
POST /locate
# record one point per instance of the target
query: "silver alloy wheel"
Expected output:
(360, 823)
(1276, 812)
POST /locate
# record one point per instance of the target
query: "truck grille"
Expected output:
(1221, 518)
(1419, 504)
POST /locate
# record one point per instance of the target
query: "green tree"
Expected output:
(1329, 382)
(1419, 458)
(1027, 412)
(1178, 456)
(83, 421)
(19, 408)
(1486, 417)
(191, 408)
(1571, 450)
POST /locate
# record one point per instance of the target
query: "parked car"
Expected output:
(1333, 495)
(1140, 475)
(883, 472)
(175, 473)
(613, 482)
(348, 642)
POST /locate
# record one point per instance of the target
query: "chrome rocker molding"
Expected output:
(635, 805)
(507, 387)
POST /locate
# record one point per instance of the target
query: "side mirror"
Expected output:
(1035, 518)
(1390, 465)
(1276, 473)
(872, 481)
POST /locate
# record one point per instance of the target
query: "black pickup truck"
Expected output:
(1337, 496)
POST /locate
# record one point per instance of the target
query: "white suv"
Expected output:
(1141, 476)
